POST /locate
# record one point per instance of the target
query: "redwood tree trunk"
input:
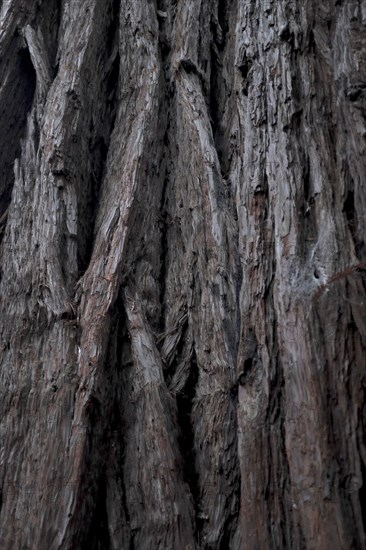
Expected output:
(182, 274)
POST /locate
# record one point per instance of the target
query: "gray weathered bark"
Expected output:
(182, 274)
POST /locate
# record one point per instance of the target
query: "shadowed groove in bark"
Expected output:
(354, 222)
(215, 107)
(362, 491)
(90, 520)
(18, 94)
(98, 535)
(163, 223)
(18, 83)
(100, 130)
(185, 399)
(219, 88)
(119, 359)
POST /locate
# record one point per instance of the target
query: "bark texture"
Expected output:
(182, 274)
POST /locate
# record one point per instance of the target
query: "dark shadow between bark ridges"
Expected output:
(185, 401)
(13, 119)
(99, 141)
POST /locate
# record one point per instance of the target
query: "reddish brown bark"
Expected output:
(182, 274)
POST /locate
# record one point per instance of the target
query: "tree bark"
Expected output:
(182, 274)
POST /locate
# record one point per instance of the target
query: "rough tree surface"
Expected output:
(182, 274)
